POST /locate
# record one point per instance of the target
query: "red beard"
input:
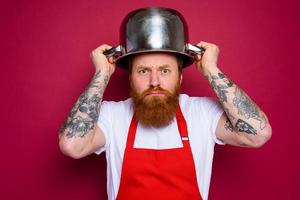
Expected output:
(156, 111)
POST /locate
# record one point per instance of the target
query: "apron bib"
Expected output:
(166, 174)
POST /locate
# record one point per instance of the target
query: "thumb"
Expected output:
(111, 60)
(198, 57)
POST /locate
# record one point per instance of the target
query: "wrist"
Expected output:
(103, 72)
(210, 70)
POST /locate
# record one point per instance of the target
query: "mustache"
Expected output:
(156, 89)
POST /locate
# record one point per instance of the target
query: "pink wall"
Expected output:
(45, 65)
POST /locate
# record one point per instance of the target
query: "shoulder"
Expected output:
(116, 110)
(187, 101)
(117, 105)
(206, 108)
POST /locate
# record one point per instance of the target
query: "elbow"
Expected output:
(69, 149)
(262, 137)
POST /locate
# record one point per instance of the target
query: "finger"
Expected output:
(204, 45)
(103, 48)
(198, 65)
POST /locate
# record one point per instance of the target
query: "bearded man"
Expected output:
(159, 143)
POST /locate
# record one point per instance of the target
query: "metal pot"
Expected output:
(153, 29)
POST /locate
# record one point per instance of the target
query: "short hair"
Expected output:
(178, 57)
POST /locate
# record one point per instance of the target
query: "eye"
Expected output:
(165, 71)
(143, 71)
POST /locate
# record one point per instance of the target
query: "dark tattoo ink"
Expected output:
(225, 79)
(79, 126)
(221, 89)
(88, 105)
(228, 125)
(243, 126)
(247, 108)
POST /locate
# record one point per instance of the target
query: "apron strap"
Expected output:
(182, 127)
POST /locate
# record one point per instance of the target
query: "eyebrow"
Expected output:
(146, 67)
(164, 66)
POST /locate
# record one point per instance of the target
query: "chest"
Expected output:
(163, 138)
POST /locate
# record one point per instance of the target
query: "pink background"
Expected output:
(45, 65)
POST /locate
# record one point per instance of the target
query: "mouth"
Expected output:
(155, 93)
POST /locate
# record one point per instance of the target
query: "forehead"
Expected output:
(154, 60)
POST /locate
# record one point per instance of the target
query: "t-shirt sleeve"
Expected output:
(104, 122)
(214, 111)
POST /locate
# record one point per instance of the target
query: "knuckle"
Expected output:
(92, 54)
(216, 47)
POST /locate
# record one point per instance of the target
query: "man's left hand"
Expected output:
(208, 60)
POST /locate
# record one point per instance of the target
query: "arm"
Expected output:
(243, 123)
(80, 135)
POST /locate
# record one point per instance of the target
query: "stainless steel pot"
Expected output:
(153, 29)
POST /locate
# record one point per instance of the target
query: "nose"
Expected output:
(154, 79)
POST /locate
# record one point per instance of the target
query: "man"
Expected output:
(159, 144)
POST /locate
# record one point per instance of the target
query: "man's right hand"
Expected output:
(101, 62)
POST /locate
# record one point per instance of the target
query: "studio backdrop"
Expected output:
(45, 66)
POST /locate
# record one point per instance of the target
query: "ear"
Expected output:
(181, 77)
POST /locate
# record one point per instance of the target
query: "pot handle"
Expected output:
(114, 51)
(194, 49)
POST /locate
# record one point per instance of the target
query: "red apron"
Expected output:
(152, 174)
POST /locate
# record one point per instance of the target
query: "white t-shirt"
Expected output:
(201, 114)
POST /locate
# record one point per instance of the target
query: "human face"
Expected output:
(155, 70)
(155, 82)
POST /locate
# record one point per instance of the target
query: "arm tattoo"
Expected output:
(221, 89)
(228, 126)
(243, 126)
(225, 79)
(85, 112)
(247, 108)
(240, 126)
